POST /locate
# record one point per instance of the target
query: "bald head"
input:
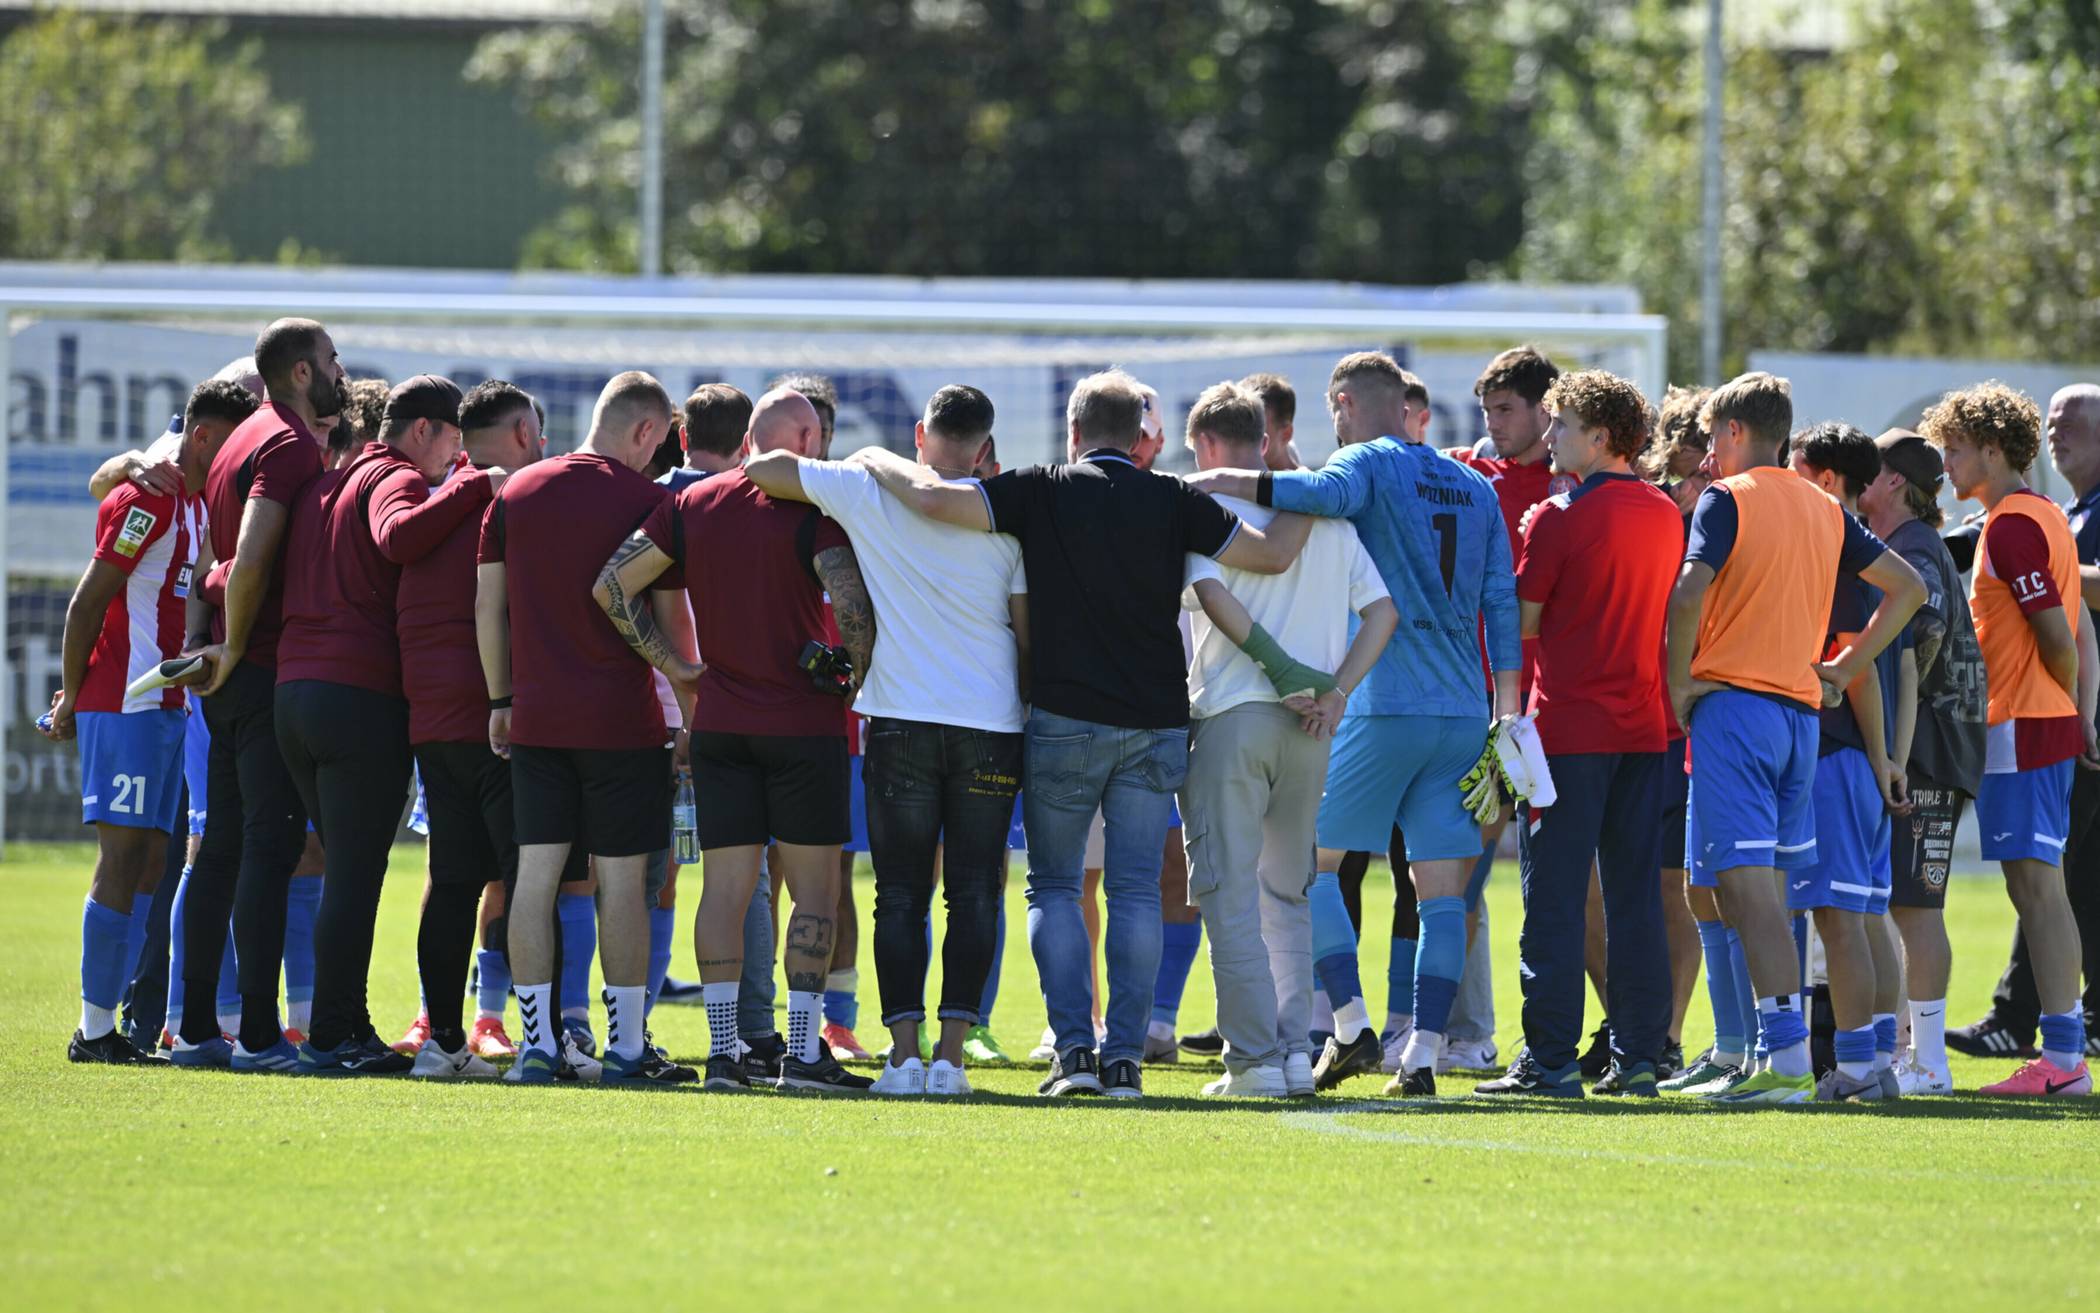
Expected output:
(243, 372)
(784, 420)
(2073, 429)
(630, 420)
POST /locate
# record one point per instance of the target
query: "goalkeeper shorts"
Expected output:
(1402, 770)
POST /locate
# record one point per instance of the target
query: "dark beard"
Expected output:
(328, 397)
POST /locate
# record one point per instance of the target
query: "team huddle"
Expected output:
(1722, 674)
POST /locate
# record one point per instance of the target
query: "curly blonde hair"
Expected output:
(1989, 414)
(1678, 432)
(1595, 397)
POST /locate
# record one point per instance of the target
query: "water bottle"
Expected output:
(685, 824)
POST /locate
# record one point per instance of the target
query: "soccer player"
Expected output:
(768, 751)
(1593, 588)
(2073, 431)
(1256, 765)
(1279, 406)
(1944, 764)
(1432, 526)
(577, 715)
(1749, 615)
(1858, 786)
(255, 828)
(466, 787)
(126, 616)
(2044, 678)
(943, 706)
(1103, 543)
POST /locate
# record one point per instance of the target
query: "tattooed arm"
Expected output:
(840, 572)
(622, 592)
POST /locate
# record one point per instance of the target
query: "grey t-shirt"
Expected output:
(1947, 749)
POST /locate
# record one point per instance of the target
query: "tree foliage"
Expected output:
(120, 136)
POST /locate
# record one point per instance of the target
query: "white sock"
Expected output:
(229, 1023)
(580, 1013)
(1792, 1060)
(1422, 1049)
(299, 1016)
(1882, 1061)
(1928, 1033)
(1350, 1020)
(1397, 1023)
(1727, 1059)
(535, 1017)
(1161, 1030)
(720, 999)
(625, 1008)
(96, 1022)
(805, 1021)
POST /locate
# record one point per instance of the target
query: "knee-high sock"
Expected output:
(302, 904)
(1334, 955)
(1179, 942)
(493, 982)
(1400, 983)
(1440, 962)
(103, 934)
(176, 954)
(1721, 992)
(1745, 994)
(991, 979)
(578, 914)
(662, 922)
(842, 994)
(135, 937)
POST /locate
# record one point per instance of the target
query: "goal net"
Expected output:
(97, 360)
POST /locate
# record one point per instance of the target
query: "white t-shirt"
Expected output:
(944, 639)
(1307, 609)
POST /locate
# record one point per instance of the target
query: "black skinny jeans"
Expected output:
(937, 788)
(347, 751)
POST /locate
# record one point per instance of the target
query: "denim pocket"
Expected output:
(1167, 760)
(1057, 766)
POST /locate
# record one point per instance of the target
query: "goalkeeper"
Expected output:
(1416, 724)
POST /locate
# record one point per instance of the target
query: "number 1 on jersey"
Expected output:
(1446, 525)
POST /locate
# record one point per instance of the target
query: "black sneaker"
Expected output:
(1416, 1084)
(109, 1047)
(1596, 1059)
(368, 1056)
(1634, 1079)
(1338, 1061)
(1122, 1081)
(823, 1074)
(762, 1062)
(1204, 1044)
(680, 991)
(1671, 1062)
(1075, 1071)
(1992, 1038)
(726, 1073)
(651, 1068)
(1525, 1076)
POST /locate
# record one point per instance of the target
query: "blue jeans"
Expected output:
(1073, 768)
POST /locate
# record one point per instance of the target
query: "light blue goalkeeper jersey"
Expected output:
(1435, 531)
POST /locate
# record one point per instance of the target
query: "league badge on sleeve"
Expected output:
(138, 524)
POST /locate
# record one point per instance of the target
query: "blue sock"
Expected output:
(1333, 942)
(493, 987)
(1854, 1051)
(1781, 1027)
(103, 933)
(578, 914)
(135, 937)
(991, 979)
(662, 921)
(1177, 954)
(1440, 962)
(842, 997)
(1400, 977)
(1721, 988)
(2063, 1037)
(1884, 1037)
(302, 904)
(1746, 995)
(176, 956)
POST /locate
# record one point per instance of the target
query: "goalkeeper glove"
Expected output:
(1287, 675)
(1520, 758)
(1482, 785)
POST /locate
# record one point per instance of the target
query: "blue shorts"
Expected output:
(196, 763)
(2025, 814)
(856, 792)
(131, 768)
(1851, 870)
(1402, 770)
(1753, 782)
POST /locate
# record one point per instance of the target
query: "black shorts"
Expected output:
(614, 802)
(754, 787)
(466, 795)
(1921, 847)
(1676, 795)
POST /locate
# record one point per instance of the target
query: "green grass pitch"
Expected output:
(168, 1189)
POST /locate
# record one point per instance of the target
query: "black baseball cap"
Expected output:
(1911, 456)
(426, 396)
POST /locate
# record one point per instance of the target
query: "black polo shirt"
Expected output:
(1105, 543)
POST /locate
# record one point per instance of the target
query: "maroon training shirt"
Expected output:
(440, 660)
(352, 531)
(270, 455)
(745, 561)
(574, 681)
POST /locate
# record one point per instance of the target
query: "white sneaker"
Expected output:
(586, 1067)
(1298, 1076)
(434, 1063)
(946, 1078)
(908, 1078)
(1254, 1083)
(1394, 1042)
(1466, 1055)
(1914, 1078)
(1046, 1050)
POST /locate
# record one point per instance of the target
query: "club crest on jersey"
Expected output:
(137, 524)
